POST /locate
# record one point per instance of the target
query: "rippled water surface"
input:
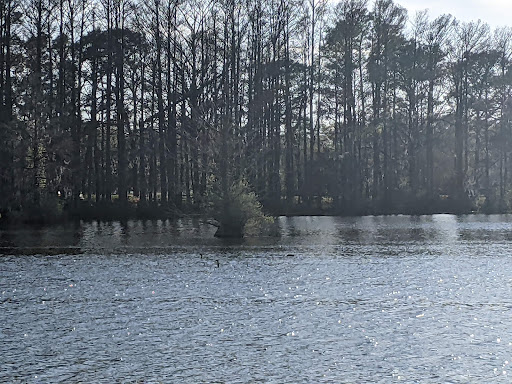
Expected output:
(362, 300)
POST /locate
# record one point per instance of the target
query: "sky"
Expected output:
(496, 13)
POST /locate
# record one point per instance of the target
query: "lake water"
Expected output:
(335, 300)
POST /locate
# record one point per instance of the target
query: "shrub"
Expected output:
(237, 211)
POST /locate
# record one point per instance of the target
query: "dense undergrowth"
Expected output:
(239, 210)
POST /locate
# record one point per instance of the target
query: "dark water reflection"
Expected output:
(373, 299)
(148, 235)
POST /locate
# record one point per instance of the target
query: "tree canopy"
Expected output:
(347, 108)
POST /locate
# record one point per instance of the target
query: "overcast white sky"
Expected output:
(494, 12)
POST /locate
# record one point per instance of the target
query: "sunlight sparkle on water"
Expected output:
(386, 300)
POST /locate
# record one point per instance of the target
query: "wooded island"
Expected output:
(115, 108)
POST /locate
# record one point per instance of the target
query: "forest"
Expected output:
(151, 108)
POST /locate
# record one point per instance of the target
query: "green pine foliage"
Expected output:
(238, 212)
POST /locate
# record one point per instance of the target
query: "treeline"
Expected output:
(351, 108)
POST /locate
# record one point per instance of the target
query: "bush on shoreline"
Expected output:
(237, 211)
(238, 214)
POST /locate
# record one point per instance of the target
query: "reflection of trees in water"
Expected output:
(55, 236)
(341, 233)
